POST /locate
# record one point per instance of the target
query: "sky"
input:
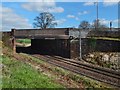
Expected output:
(20, 14)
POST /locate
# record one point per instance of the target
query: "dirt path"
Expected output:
(22, 45)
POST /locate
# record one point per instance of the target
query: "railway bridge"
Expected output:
(55, 41)
(65, 41)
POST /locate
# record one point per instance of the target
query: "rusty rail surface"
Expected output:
(97, 73)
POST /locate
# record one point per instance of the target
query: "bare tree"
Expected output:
(44, 20)
(84, 25)
(98, 26)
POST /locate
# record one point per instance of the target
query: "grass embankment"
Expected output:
(17, 74)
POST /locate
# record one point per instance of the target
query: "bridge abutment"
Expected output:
(58, 47)
(13, 41)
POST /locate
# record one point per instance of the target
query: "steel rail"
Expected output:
(90, 67)
(83, 70)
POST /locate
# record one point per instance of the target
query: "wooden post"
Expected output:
(13, 41)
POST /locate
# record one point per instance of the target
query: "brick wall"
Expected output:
(100, 45)
(94, 45)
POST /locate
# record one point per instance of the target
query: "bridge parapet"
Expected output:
(32, 33)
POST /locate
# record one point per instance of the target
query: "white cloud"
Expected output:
(43, 6)
(82, 13)
(110, 2)
(88, 3)
(60, 21)
(58, 0)
(70, 16)
(27, 0)
(12, 20)
(105, 2)
(104, 21)
(107, 22)
(116, 21)
(85, 12)
(41, 0)
(46, 0)
(76, 18)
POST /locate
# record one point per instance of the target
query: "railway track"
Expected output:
(97, 73)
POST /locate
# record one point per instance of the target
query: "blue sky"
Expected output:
(67, 14)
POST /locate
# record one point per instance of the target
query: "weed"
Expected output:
(27, 41)
(17, 74)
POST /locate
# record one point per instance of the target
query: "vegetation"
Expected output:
(24, 41)
(96, 24)
(1, 44)
(44, 20)
(17, 74)
(6, 40)
(84, 25)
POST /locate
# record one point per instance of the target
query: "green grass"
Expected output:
(17, 74)
(24, 41)
(33, 58)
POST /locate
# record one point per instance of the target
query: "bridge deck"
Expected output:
(55, 33)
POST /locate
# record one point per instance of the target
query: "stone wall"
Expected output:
(109, 60)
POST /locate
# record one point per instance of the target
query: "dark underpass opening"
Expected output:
(55, 47)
